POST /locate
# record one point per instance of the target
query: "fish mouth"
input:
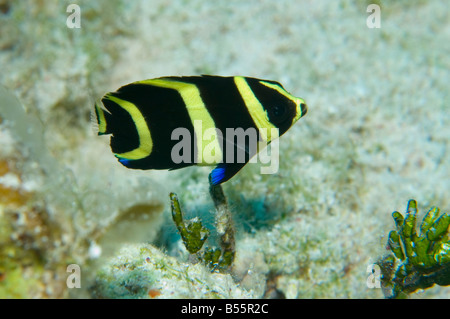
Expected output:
(303, 108)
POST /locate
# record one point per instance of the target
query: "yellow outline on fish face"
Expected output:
(298, 101)
(255, 108)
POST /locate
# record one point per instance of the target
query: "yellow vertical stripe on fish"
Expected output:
(100, 119)
(255, 108)
(145, 139)
(200, 117)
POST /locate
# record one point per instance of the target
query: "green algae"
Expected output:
(422, 259)
(16, 285)
(22, 262)
(194, 234)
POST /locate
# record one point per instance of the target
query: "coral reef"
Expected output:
(142, 271)
(51, 218)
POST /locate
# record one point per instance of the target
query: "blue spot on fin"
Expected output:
(123, 161)
(223, 172)
(217, 175)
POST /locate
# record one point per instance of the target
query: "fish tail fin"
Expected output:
(100, 117)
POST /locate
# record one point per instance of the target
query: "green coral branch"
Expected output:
(423, 258)
(194, 234)
(224, 226)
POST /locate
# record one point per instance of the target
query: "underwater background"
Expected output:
(376, 135)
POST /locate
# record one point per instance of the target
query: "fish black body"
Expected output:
(175, 122)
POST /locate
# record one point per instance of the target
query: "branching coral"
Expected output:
(424, 257)
(194, 234)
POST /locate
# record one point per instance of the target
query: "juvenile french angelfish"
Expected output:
(175, 122)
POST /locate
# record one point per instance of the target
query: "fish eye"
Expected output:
(278, 111)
